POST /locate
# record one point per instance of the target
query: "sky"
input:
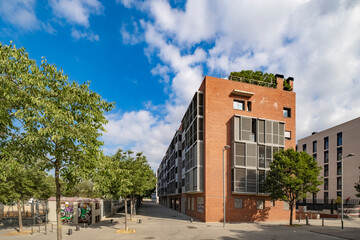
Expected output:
(149, 57)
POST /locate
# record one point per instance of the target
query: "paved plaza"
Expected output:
(158, 222)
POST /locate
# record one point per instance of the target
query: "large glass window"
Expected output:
(326, 156)
(326, 170)
(314, 146)
(326, 184)
(338, 168)
(304, 147)
(339, 139)
(326, 143)
(338, 183)
(339, 153)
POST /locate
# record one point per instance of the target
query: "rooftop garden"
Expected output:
(257, 78)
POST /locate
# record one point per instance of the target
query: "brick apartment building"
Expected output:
(327, 147)
(255, 121)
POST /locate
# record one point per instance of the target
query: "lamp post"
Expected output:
(342, 188)
(225, 148)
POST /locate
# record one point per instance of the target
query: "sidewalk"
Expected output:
(158, 222)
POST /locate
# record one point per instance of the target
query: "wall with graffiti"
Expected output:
(84, 212)
(67, 212)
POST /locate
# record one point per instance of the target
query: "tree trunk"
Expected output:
(291, 206)
(126, 226)
(58, 196)
(135, 206)
(20, 217)
(131, 207)
(23, 205)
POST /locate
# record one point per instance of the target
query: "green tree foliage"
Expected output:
(357, 188)
(57, 120)
(268, 79)
(20, 182)
(124, 174)
(84, 188)
(292, 175)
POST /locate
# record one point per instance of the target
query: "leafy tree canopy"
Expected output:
(292, 175)
(49, 120)
(263, 79)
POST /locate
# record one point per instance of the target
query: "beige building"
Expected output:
(328, 147)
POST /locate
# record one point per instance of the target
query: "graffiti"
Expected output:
(84, 213)
(67, 212)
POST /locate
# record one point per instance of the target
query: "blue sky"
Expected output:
(149, 56)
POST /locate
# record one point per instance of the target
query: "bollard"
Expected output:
(191, 219)
(111, 221)
(140, 221)
(84, 225)
(307, 220)
(32, 229)
(45, 229)
(322, 221)
(77, 228)
(39, 228)
(70, 231)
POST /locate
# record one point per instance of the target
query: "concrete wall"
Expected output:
(350, 144)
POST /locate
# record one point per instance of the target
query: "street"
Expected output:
(158, 222)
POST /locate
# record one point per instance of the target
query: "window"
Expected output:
(314, 146)
(338, 169)
(238, 203)
(326, 157)
(287, 135)
(339, 153)
(287, 112)
(338, 183)
(260, 204)
(326, 184)
(338, 193)
(326, 170)
(339, 139)
(315, 156)
(326, 197)
(272, 203)
(239, 105)
(314, 198)
(326, 142)
(249, 106)
(304, 147)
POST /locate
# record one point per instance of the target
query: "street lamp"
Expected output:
(225, 148)
(342, 188)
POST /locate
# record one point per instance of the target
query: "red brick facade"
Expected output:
(267, 103)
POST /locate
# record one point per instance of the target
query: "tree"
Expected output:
(112, 180)
(292, 175)
(357, 188)
(20, 182)
(59, 121)
(85, 188)
(141, 176)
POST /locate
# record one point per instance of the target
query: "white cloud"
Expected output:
(86, 34)
(139, 131)
(20, 13)
(133, 35)
(316, 42)
(76, 11)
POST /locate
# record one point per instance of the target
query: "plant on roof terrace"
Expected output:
(248, 76)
